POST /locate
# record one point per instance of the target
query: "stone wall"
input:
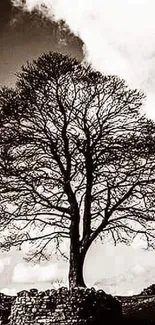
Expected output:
(79, 306)
(85, 306)
(138, 309)
(5, 307)
(149, 291)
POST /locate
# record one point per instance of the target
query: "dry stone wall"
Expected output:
(138, 310)
(150, 291)
(79, 306)
(5, 307)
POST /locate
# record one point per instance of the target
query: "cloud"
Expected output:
(29, 274)
(138, 269)
(138, 243)
(1, 266)
(9, 291)
(118, 36)
(4, 261)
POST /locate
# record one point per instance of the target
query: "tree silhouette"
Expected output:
(77, 161)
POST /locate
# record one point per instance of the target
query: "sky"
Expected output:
(24, 36)
(116, 37)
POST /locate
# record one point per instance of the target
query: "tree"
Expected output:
(77, 161)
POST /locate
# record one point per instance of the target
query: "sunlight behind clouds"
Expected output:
(119, 36)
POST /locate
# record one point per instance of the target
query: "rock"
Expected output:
(148, 291)
(77, 306)
(138, 310)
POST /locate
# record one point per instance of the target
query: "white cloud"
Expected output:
(130, 292)
(138, 243)
(1, 266)
(119, 36)
(9, 291)
(4, 261)
(138, 269)
(29, 274)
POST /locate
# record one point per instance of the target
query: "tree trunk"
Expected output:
(76, 269)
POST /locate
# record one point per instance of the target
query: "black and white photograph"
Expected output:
(77, 162)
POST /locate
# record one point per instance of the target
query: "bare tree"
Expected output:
(77, 161)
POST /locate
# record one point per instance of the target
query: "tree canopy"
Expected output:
(77, 161)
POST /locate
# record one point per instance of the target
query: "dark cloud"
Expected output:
(5, 13)
(24, 36)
